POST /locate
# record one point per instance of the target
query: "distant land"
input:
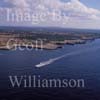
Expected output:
(50, 29)
(52, 38)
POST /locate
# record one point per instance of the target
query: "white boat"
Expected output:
(41, 64)
(44, 63)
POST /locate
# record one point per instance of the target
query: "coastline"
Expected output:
(53, 45)
(44, 41)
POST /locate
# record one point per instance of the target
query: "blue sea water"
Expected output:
(83, 65)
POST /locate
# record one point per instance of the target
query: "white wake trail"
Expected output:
(52, 60)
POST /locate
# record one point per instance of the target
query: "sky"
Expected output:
(51, 13)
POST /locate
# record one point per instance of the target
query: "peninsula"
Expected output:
(50, 40)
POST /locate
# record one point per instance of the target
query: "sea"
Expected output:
(83, 62)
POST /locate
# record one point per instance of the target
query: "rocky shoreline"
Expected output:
(42, 43)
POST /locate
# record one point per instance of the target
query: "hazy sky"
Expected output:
(68, 13)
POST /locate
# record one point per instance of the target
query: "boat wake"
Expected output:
(45, 63)
(50, 61)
